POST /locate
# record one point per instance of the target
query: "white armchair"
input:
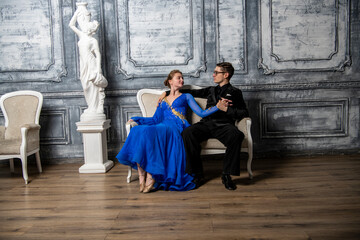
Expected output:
(20, 138)
(147, 100)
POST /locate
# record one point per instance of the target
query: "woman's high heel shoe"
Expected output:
(142, 178)
(141, 183)
(148, 187)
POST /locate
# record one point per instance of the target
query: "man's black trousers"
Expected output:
(226, 133)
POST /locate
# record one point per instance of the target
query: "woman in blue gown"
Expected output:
(155, 147)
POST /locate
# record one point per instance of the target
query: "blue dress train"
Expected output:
(157, 146)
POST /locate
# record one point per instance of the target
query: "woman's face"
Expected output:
(177, 81)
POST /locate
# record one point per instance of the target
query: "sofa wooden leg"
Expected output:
(128, 180)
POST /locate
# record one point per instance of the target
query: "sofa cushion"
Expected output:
(193, 117)
(213, 143)
(150, 102)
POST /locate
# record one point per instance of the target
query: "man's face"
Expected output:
(220, 76)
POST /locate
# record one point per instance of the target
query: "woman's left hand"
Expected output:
(223, 105)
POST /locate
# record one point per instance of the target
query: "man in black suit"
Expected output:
(220, 125)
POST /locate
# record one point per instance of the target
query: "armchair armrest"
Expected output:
(31, 126)
(129, 125)
(30, 135)
(32, 131)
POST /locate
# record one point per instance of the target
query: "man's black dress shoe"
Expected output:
(198, 180)
(228, 182)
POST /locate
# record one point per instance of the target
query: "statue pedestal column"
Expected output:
(95, 146)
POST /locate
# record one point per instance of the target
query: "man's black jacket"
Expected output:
(237, 111)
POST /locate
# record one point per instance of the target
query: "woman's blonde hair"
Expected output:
(170, 76)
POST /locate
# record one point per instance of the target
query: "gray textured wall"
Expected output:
(296, 61)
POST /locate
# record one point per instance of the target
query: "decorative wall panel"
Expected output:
(231, 33)
(54, 126)
(310, 35)
(305, 119)
(31, 41)
(157, 36)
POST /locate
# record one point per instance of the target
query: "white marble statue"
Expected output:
(92, 79)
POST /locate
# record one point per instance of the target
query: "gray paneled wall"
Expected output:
(307, 35)
(297, 63)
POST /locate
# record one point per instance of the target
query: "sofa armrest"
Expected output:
(129, 125)
(247, 145)
(244, 126)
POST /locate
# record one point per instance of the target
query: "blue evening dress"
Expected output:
(157, 146)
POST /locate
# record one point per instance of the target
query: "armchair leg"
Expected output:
(38, 162)
(11, 165)
(128, 180)
(249, 165)
(24, 168)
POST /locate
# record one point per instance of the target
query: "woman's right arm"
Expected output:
(156, 118)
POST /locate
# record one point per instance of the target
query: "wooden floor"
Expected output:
(293, 198)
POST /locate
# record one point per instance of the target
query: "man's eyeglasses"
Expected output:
(216, 72)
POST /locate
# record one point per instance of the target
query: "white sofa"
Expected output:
(148, 98)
